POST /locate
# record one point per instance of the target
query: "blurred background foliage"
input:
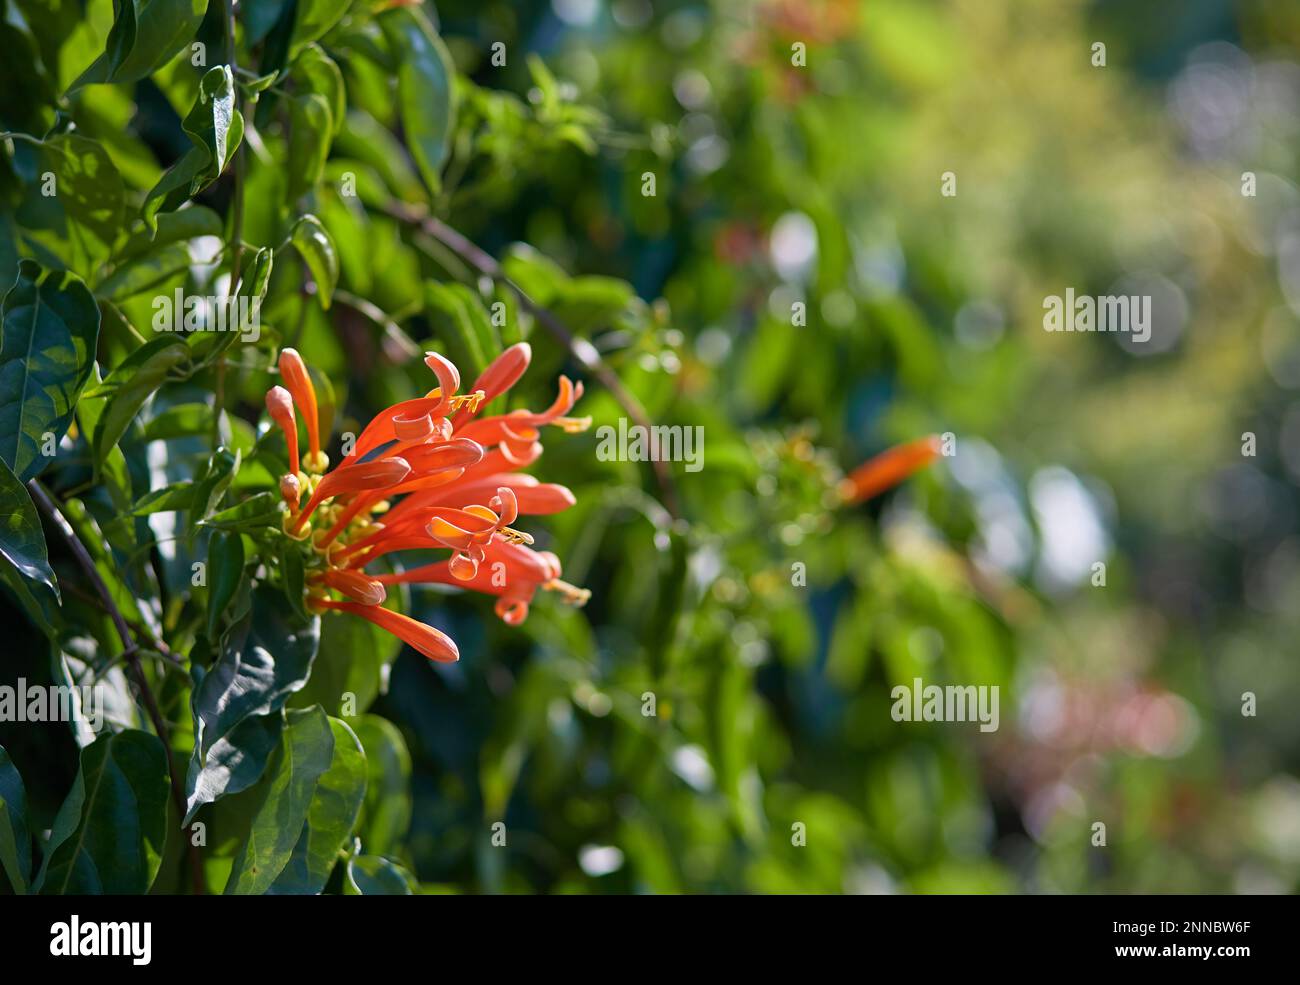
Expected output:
(1121, 704)
(774, 184)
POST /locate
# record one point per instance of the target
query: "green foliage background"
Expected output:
(771, 763)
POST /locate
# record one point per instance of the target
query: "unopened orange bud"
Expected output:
(291, 490)
(294, 372)
(889, 468)
(279, 404)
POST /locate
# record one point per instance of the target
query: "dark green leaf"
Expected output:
(131, 390)
(264, 657)
(108, 836)
(225, 572)
(145, 35)
(234, 763)
(25, 566)
(371, 875)
(15, 838)
(312, 240)
(47, 349)
(28, 90)
(293, 570)
(353, 657)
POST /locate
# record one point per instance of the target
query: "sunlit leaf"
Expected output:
(305, 752)
(425, 91)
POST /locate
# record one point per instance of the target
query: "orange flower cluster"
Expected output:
(425, 474)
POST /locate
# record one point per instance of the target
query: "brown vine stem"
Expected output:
(582, 350)
(236, 224)
(131, 653)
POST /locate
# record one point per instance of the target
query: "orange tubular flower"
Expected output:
(298, 380)
(433, 643)
(279, 404)
(888, 469)
(425, 475)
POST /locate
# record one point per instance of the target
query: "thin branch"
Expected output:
(582, 350)
(130, 652)
(236, 225)
(373, 312)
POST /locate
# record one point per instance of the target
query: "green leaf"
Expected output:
(82, 219)
(293, 570)
(26, 568)
(234, 763)
(180, 421)
(463, 322)
(371, 875)
(368, 141)
(352, 659)
(312, 240)
(258, 18)
(211, 485)
(255, 513)
(109, 834)
(137, 276)
(315, 18)
(75, 664)
(320, 74)
(306, 751)
(15, 838)
(215, 127)
(265, 657)
(28, 91)
(331, 818)
(256, 278)
(180, 226)
(130, 389)
(253, 283)
(47, 349)
(225, 572)
(145, 35)
(177, 496)
(387, 814)
(310, 126)
(426, 100)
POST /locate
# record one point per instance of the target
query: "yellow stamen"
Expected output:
(570, 594)
(572, 425)
(513, 536)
